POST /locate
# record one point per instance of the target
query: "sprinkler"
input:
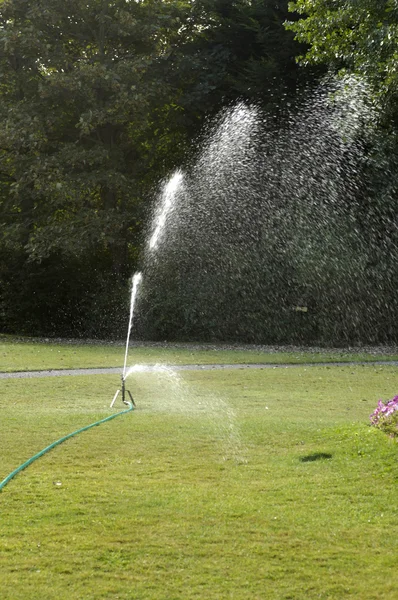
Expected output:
(134, 289)
(123, 390)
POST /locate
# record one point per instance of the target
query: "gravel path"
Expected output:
(213, 367)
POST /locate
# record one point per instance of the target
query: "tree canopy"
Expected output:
(98, 101)
(81, 90)
(358, 36)
(101, 99)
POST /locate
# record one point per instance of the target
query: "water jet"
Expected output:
(134, 291)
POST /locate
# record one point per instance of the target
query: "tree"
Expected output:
(81, 85)
(355, 36)
(98, 100)
(84, 131)
(249, 49)
(359, 38)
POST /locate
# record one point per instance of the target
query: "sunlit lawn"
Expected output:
(261, 484)
(38, 356)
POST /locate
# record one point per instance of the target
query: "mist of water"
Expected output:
(166, 390)
(267, 237)
(158, 368)
(270, 239)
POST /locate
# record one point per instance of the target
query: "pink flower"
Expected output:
(384, 410)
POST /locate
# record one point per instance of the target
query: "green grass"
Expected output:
(15, 356)
(261, 484)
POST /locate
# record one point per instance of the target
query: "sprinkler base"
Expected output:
(124, 391)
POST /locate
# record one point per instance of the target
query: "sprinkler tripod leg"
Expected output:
(114, 398)
(131, 398)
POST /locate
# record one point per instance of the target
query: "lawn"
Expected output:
(265, 484)
(30, 355)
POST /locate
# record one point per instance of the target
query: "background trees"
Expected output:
(82, 103)
(98, 100)
(359, 39)
(358, 35)
(355, 36)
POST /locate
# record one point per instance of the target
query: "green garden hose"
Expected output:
(63, 439)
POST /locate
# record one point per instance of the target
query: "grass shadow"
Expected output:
(316, 456)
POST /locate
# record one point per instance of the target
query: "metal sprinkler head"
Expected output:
(123, 390)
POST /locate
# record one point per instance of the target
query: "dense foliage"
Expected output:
(359, 35)
(359, 39)
(356, 36)
(100, 100)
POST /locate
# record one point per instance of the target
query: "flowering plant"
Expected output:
(385, 416)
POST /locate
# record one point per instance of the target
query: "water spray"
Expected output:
(169, 195)
(134, 290)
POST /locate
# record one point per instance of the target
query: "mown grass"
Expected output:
(260, 484)
(17, 356)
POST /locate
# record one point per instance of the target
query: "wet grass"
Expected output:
(260, 484)
(24, 356)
